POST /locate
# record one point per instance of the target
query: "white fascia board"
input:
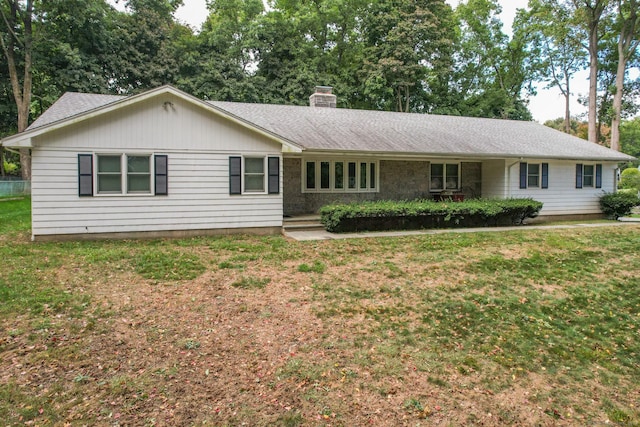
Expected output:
(15, 142)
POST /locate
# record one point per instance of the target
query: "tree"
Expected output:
(491, 71)
(405, 42)
(590, 12)
(554, 45)
(145, 57)
(222, 56)
(630, 137)
(17, 46)
(628, 40)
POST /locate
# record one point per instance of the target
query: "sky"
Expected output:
(546, 105)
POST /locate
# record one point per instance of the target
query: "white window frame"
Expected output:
(265, 173)
(124, 175)
(345, 175)
(444, 177)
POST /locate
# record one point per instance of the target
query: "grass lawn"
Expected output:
(532, 327)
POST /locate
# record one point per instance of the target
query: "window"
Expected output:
(325, 173)
(589, 176)
(111, 178)
(352, 175)
(330, 176)
(534, 175)
(138, 174)
(444, 176)
(258, 175)
(109, 174)
(311, 175)
(254, 174)
(117, 174)
(338, 173)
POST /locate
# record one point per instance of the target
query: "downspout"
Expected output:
(509, 176)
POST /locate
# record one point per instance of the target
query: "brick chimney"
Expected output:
(323, 97)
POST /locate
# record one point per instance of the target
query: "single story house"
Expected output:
(164, 163)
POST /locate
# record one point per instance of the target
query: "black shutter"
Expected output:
(85, 175)
(599, 176)
(545, 175)
(274, 175)
(579, 175)
(235, 175)
(523, 175)
(160, 167)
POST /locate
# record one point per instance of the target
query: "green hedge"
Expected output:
(615, 205)
(405, 215)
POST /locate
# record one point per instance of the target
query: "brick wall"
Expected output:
(399, 180)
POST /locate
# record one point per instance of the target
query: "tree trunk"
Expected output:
(21, 93)
(626, 48)
(593, 80)
(567, 111)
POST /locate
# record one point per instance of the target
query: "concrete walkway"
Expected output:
(325, 235)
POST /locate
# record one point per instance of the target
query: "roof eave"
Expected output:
(487, 156)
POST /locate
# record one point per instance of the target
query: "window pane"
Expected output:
(324, 175)
(253, 165)
(138, 164)
(587, 176)
(339, 175)
(352, 175)
(452, 177)
(372, 175)
(363, 175)
(139, 183)
(254, 183)
(437, 176)
(109, 164)
(109, 183)
(533, 177)
(311, 175)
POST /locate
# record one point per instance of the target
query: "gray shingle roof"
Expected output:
(344, 130)
(330, 129)
(71, 104)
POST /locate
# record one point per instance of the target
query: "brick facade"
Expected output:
(399, 180)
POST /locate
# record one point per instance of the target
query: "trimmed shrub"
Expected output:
(406, 215)
(615, 205)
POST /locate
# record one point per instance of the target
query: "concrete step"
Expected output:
(302, 223)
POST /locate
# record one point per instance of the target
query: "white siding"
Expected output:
(162, 123)
(562, 197)
(494, 179)
(198, 145)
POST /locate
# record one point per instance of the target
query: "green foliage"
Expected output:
(615, 205)
(630, 179)
(426, 214)
(630, 137)
(11, 168)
